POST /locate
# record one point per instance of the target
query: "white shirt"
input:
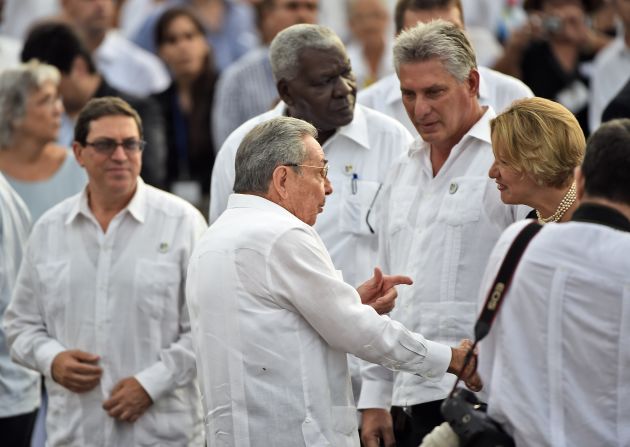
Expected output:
(556, 362)
(19, 387)
(129, 68)
(440, 231)
(272, 322)
(496, 90)
(611, 71)
(366, 148)
(119, 295)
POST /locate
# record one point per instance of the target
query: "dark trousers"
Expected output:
(16, 431)
(410, 429)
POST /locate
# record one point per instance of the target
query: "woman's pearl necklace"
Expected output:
(567, 201)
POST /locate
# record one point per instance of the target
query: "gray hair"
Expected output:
(16, 86)
(270, 144)
(289, 43)
(437, 39)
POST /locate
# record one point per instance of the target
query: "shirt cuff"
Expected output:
(375, 394)
(45, 355)
(436, 361)
(156, 380)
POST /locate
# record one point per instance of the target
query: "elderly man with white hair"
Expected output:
(272, 320)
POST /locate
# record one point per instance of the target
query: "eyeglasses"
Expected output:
(323, 169)
(107, 146)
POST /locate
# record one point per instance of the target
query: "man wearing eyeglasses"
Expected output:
(272, 320)
(98, 307)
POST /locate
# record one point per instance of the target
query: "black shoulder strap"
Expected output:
(503, 279)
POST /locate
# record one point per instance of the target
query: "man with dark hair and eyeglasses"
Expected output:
(98, 307)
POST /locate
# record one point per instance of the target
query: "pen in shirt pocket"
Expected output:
(355, 178)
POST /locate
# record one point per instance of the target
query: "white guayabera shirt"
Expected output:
(272, 322)
(440, 231)
(119, 295)
(556, 363)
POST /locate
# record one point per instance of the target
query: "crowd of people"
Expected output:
(276, 222)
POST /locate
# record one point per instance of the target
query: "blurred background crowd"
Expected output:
(197, 69)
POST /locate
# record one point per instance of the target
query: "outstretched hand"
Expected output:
(379, 291)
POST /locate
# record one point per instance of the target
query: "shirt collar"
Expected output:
(356, 130)
(260, 203)
(137, 206)
(480, 131)
(600, 214)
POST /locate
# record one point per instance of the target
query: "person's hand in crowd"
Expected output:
(469, 375)
(76, 370)
(128, 400)
(379, 291)
(377, 428)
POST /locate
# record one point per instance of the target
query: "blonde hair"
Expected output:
(541, 138)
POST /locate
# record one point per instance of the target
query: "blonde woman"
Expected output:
(537, 144)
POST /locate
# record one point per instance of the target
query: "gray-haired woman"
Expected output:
(42, 172)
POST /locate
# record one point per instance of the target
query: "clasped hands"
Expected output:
(78, 371)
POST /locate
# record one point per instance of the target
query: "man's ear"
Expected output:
(279, 181)
(76, 148)
(284, 91)
(579, 183)
(473, 82)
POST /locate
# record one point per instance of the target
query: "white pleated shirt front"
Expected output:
(119, 295)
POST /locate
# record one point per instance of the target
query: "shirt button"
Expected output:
(453, 188)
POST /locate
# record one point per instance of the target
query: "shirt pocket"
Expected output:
(357, 200)
(55, 287)
(463, 202)
(157, 286)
